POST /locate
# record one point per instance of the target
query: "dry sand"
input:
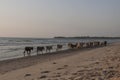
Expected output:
(90, 64)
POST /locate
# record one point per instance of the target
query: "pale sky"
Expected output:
(49, 18)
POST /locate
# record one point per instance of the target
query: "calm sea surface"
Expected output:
(14, 47)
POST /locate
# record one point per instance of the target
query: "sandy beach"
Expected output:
(102, 63)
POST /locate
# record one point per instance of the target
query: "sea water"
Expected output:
(14, 47)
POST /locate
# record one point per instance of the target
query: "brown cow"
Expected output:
(80, 45)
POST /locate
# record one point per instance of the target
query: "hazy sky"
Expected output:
(49, 18)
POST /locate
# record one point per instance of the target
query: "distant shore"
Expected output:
(100, 63)
(86, 37)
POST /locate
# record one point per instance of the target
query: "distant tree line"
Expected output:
(87, 37)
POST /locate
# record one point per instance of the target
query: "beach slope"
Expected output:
(101, 63)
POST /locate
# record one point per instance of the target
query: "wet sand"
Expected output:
(101, 63)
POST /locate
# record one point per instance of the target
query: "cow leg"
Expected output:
(29, 53)
(24, 53)
(57, 49)
(42, 52)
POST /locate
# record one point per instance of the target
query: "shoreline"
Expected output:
(87, 64)
(23, 62)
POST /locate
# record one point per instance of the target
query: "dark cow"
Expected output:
(49, 48)
(59, 47)
(91, 44)
(40, 49)
(28, 50)
(70, 45)
(101, 43)
(105, 43)
(88, 45)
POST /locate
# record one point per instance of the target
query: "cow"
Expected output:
(105, 43)
(96, 43)
(59, 47)
(40, 49)
(28, 50)
(88, 45)
(91, 44)
(101, 43)
(80, 45)
(49, 48)
(70, 45)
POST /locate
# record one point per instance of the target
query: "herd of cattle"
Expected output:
(78, 45)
